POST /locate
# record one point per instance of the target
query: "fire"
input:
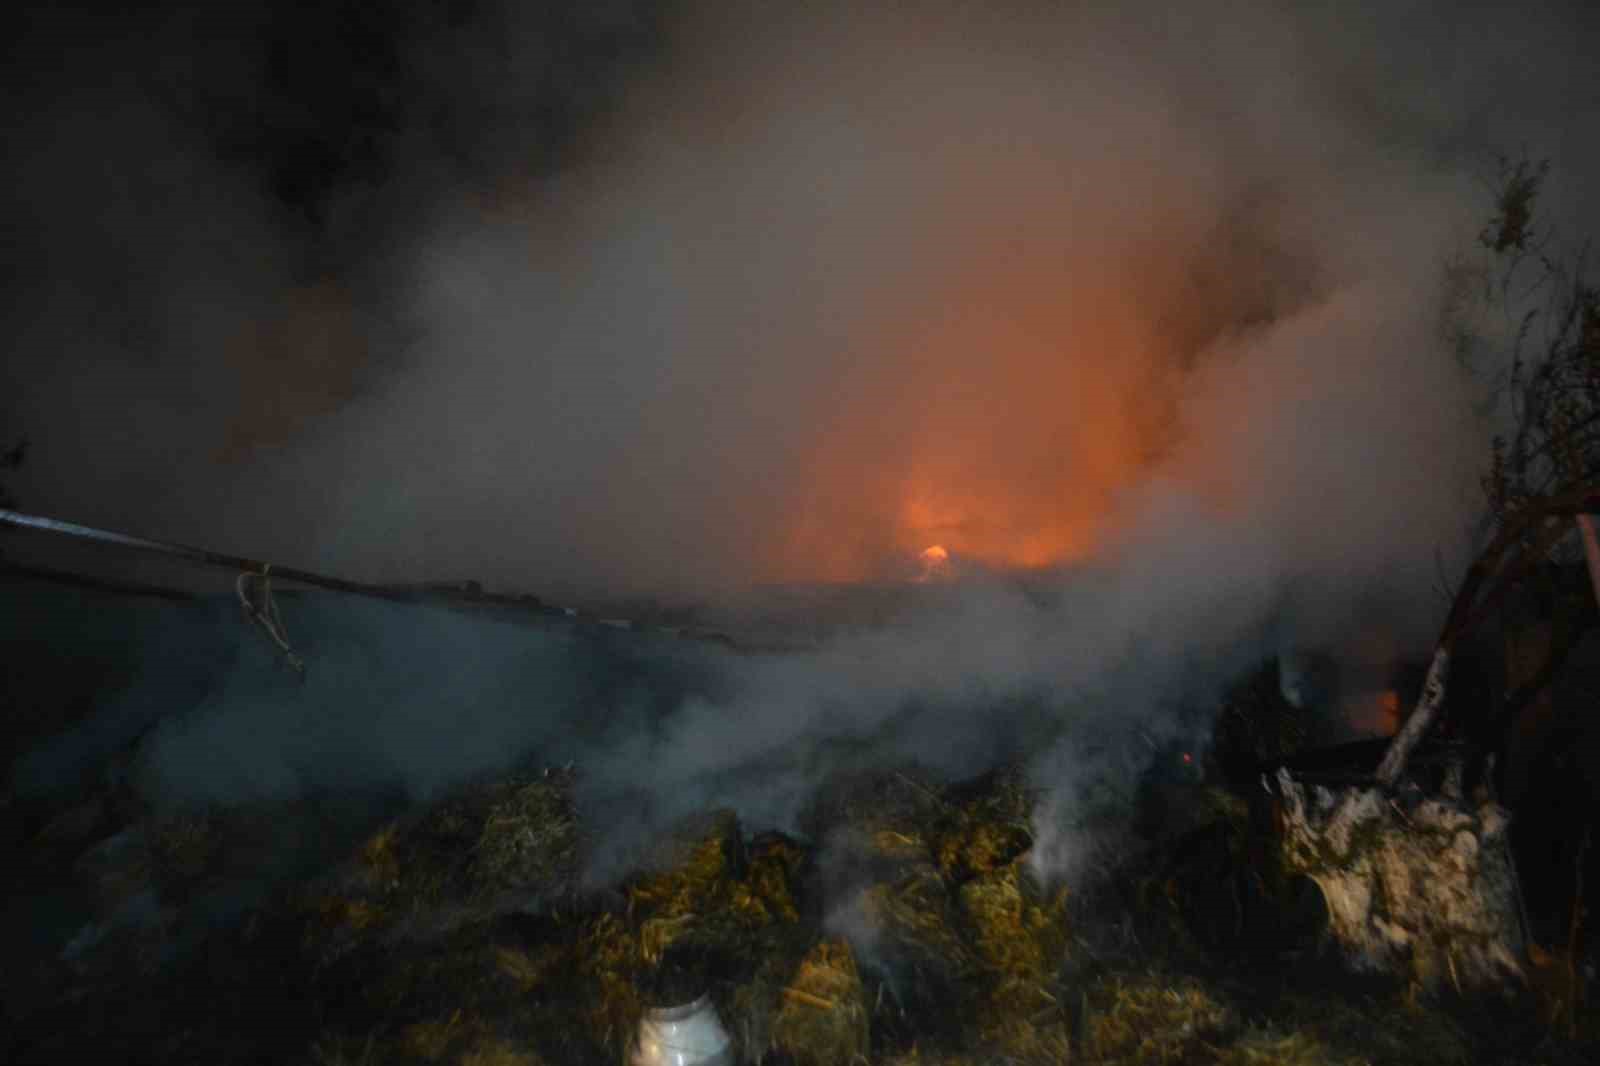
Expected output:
(1378, 714)
(935, 560)
(1389, 712)
(1001, 434)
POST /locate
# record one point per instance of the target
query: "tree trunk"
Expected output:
(1394, 760)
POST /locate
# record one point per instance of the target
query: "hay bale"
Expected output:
(1377, 1029)
(987, 825)
(1020, 934)
(1027, 1041)
(608, 957)
(480, 852)
(496, 1052)
(691, 890)
(378, 858)
(1147, 1019)
(460, 1039)
(529, 838)
(434, 1039)
(1272, 1048)
(767, 892)
(692, 918)
(823, 1019)
(901, 804)
(709, 844)
(528, 970)
(752, 1008)
(917, 926)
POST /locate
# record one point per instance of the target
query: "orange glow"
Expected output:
(1378, 716)
(1389, 711)
(935, 562)
(1001, 428)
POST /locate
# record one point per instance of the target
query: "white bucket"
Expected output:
(690, 1035)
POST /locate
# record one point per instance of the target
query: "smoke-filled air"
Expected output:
(1116, 332)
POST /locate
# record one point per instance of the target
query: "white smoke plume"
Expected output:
(1146, 301)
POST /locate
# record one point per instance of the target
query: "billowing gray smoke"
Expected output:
(1149, 296)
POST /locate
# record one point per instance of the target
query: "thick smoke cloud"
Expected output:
(1147, 297)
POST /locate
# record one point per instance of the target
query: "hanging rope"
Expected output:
(263, 609)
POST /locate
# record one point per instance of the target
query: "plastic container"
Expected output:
(690, 1035)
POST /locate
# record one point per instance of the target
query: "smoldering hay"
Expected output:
(1142, 304)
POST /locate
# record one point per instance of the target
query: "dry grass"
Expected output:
(431, 1040)
(609, 958)
(767, 892)
(823, 1018)
(1382, 1031)
(964, 959)
(526, 970)
(530, 838)
(918, 924)
(378, 855)
(1151, 1019)
(343, 915)
(1268, 1048)
(494, 1052)
(1020, 933)
(987, 831)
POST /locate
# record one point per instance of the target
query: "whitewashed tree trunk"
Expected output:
(1427, 894)
(1394, 760)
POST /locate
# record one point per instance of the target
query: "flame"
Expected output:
(935, 560)
(1000, 428)
(1377, 714)
(1389, 712)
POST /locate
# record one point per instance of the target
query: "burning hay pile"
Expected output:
(915, 926)
(906, 927)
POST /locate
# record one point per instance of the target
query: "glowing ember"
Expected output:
(935, 561)
(1389, 712)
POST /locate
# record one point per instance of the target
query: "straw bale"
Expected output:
(608, 956)
(1020, 934)
(823, 1018)
(918, 924)
(1149, 1019)
(767, 892)
(529, 838)
(497, 1052)
(987, 828)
